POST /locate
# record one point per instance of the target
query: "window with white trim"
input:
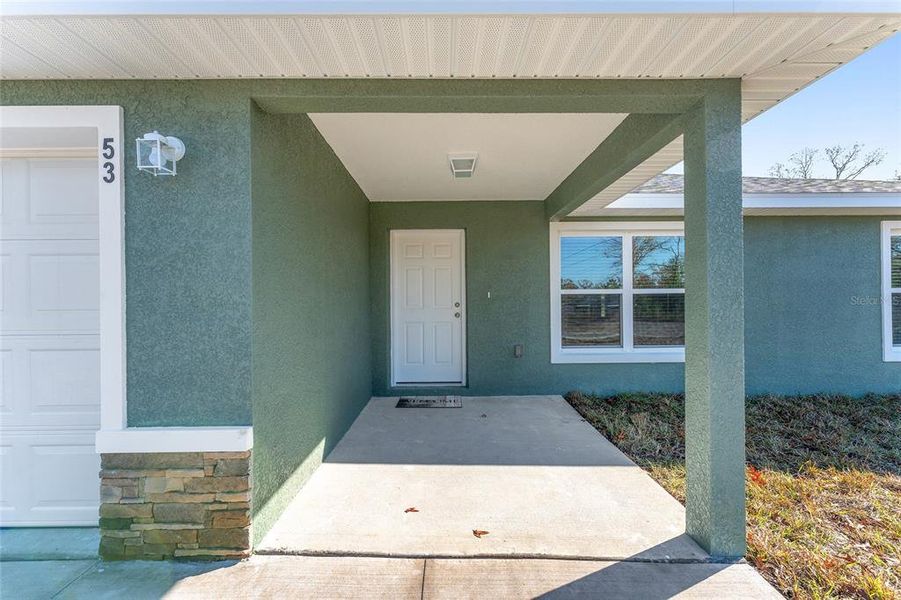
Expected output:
(891, 290)
(617, 292)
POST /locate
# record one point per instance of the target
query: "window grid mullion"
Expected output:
(651, 291)
(626, 299)
(582, 291)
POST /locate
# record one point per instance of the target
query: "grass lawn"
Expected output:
(823, 483)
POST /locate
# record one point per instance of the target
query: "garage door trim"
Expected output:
(108, 122)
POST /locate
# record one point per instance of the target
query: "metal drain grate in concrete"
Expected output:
(430, 402)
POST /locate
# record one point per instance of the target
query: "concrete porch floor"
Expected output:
(530, 471)
(526, 469)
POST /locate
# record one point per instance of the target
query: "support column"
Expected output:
(714, 324)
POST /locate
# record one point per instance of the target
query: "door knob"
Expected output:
(456, 314)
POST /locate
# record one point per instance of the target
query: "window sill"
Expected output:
(891, 356)
(559, 356)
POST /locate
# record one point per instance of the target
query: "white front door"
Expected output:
(49, 341)
(427, 307)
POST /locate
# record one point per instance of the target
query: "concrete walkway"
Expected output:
(301, 577)
(526, 469)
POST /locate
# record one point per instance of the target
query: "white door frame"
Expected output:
(393, 316)
(109, 150)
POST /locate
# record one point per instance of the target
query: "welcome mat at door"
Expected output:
(430, 402)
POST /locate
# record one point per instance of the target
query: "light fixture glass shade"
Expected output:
(158, 154)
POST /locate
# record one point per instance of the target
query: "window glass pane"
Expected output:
(896, 261)
(591, 320)
(591, 263)
(659, 320)
(896, 319)
(658, 261)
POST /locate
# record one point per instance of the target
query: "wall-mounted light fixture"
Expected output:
(158, 153)
(462, 165)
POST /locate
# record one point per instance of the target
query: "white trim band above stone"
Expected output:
(139, 440)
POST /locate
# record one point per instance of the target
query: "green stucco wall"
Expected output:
(311, 362)
(808, 325)
(188, 238)
(187, 246)
(813, 318)
(507, 254)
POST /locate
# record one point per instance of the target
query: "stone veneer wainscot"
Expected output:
(178, 504)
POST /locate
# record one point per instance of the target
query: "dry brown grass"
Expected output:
(823, 491)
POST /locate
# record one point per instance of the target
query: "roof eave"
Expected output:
(34, 8)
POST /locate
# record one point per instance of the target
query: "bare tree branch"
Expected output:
(842, 157)
(779, 171)
(847, 162)
(871, 159)
(803, 162)
(800, 165)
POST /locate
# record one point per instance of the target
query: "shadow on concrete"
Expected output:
(497, 430)
(641, 576)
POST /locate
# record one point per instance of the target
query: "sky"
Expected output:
(858, 102)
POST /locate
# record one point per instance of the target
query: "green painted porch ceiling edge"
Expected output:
(485, 96)
(656, 110)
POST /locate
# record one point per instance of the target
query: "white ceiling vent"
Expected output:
(462, 165)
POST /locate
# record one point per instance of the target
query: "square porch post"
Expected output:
(714, 324)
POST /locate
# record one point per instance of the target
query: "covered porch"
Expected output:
(527, 471)
(299, 134)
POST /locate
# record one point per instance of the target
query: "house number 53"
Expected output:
(108, 152)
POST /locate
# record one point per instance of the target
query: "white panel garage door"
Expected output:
(50, 347)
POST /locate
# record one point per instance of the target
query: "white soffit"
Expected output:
(403, 156)
(777, 48)
(60, 46)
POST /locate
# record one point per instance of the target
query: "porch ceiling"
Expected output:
(774, 54)
(404, 156)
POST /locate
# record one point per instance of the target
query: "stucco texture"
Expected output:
(187, 247)
(714, 326)
(812, 312)
(188, 238)
(507, 254)
(809, 326)
(311, 336)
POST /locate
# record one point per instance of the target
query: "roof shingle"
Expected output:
(674, 184)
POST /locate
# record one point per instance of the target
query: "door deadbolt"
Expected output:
(456, 304)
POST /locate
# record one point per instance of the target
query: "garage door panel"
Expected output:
(49, 198)
(58, 465)
(50, 344)
(53, 381)
(6, 282)
(63, 192)
(63, 282)
(7, 382)
(11, 493)
(51, 286)
(64, 380)
(52, 478)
